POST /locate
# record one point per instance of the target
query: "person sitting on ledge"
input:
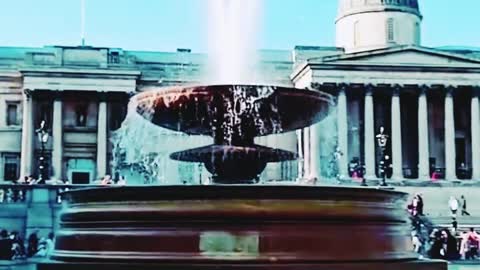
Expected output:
(435, 176)
(107, 180)
(29, 180)
(122, 181)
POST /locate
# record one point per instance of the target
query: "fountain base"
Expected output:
(234, 227)
(380, 265)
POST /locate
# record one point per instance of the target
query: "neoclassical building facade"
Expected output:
(378, 72)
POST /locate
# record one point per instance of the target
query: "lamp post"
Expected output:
(364, 181)
(43, 137)
(382, 140)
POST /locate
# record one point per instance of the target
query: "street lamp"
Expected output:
(382, 140)
(43, 137)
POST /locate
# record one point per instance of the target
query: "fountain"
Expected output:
(234, 226)
(233, 115)
(235, 223)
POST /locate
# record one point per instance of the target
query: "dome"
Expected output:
(373, 24)
(350, 7)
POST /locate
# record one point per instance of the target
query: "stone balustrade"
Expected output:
(30, 208)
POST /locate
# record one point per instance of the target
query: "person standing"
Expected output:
(417, 243)
(453, 204)
(419, 204)
(472, 244)
(6, 252)
(463, 203)
(32, 244)
(414, 205)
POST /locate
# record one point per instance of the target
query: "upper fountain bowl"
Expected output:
(242, 110)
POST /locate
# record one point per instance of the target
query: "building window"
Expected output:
(114, 58)
(45, 114)
(11, 167)
(417, 33)
(81, 115)
(12, 114)
(117, 115)
(80, 178)
(390, 30)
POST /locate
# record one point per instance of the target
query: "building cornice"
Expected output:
(380, 9)
(97, 72)
(392, 67)
(409, 73)
(389, 50)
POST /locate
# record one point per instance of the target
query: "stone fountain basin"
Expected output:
(200, 110)
(255, 153)
(224, 225)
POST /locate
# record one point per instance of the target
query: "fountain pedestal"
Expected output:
(235, 227)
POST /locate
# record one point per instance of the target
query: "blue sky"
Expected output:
(165, 25)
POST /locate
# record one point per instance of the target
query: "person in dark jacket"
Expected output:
(419, 204)
(6, 251)
(32, 244)
(463, 202)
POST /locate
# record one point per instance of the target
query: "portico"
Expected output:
(426, 100)
(77, 114)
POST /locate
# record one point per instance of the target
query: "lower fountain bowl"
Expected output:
(235, 227)
(230, 164)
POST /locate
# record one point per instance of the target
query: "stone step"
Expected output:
(463, 222)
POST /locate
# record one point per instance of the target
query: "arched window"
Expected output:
(356, 33)
(390, 30)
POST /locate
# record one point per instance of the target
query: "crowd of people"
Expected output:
(31, 180)
(448, 244)
(443, 243)
(106, 180)
(13, 247)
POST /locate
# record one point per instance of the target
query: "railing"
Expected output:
(26, 194)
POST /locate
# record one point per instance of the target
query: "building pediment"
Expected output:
(398, 65)
(402, 56)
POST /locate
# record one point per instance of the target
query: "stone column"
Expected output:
(475, 133)
(306, 151)
(300, 153)
(57, 128)
(102, 139)
(397, 161)
(369, 136)
(27, 136)
(315, 161)
(423, 147)
(450, 154)
(342, 125)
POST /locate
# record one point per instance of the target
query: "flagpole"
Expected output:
(82, 21)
